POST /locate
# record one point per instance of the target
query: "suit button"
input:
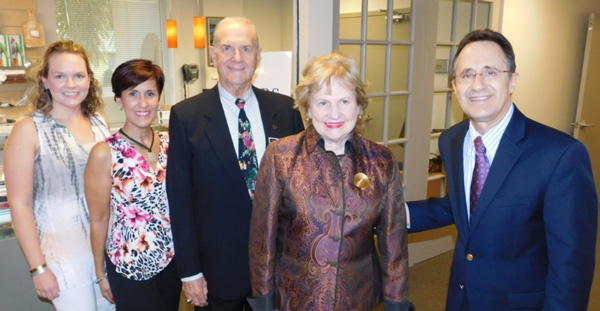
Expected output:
(461, 286)
(469, 257)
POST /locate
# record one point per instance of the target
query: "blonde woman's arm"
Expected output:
(20, 152)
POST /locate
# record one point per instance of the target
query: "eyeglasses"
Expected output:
(230, 50)
(487, 75)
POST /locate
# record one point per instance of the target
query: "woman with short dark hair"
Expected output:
(129, 212)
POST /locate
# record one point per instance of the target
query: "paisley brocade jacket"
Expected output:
(312, 237)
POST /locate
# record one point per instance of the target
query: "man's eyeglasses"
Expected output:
(487, 75)
(230, 50)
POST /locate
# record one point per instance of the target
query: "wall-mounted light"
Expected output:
(199, 32)
(171, 33)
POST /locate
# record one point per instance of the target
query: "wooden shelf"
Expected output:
(13, 87)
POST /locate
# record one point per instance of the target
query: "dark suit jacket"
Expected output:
(532, 239)
(209, 203)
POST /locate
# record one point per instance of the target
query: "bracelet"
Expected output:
(100, 279)
(38, 270)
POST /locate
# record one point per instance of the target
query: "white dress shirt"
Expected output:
(252, 112)
(491, 140)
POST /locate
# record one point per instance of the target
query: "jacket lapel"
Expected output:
(217, 132)
(506, 156)
(268, 113)
(457, 175)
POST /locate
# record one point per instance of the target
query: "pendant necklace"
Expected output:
(151, 157)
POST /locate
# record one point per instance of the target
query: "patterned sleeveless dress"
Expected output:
(140, 241)
(59, 206)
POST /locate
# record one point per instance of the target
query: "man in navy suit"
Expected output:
(528, 240)
(209, 198)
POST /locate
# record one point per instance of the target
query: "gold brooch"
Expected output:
(361, 181)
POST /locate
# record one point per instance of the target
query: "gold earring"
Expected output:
(308, 119)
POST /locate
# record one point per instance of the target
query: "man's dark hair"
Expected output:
(488, 35)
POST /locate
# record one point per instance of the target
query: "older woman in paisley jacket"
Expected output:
(322, 197)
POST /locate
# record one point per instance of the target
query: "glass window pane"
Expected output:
(397, 117)
(463, 25)
(374, 115)
(398, 150)
(444, 32)
(401, 20)
(443, 69)
(352, 51)
(375, 64)
(484, 11)
(438, 115)
(434, 149)
(376, 26)
(399, 68)
(350, 19)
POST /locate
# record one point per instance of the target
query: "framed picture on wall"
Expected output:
(211, 24)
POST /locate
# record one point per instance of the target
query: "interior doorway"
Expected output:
(587, 119)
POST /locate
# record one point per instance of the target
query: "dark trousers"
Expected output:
(216, 304)
(160, 293)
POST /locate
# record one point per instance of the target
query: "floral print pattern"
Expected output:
(140, 242)
(247, 151)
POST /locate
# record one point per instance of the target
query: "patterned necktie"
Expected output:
(480, 172)
(247, 151)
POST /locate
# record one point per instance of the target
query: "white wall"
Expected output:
(315, 29)
(548, 37)
(183, 11)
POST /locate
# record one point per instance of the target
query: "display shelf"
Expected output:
(13, 87)
(6, 230)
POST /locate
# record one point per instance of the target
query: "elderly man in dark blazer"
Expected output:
(217, 140)
(521, 195)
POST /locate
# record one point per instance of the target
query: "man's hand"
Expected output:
(197, 291)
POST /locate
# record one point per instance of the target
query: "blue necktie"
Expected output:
(247, 151)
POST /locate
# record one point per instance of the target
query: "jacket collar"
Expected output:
(314, 140)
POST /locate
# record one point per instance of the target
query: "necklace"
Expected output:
(151, 157)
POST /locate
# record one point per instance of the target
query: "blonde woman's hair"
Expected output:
(41, 99)
(319, 72)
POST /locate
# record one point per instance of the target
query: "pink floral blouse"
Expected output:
(140, 242)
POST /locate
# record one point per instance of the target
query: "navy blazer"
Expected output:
(531, 244)
(209, 203)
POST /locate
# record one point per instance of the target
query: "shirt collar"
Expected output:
(498, 128)
(314, 140)
(229, 97)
